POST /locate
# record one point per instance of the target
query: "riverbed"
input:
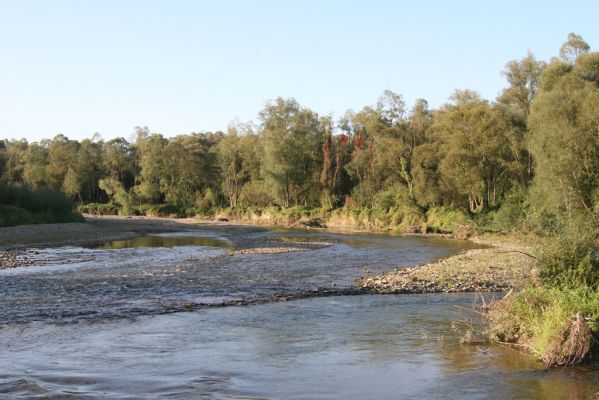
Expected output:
(199, 311)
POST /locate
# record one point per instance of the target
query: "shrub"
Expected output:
(571, 260)
(99, 208)
(24, 206)
(441, 219)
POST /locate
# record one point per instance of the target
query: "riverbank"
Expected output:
(507, 265)
(401, 220)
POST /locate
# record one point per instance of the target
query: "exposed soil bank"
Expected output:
(503, 267)
(437, 220)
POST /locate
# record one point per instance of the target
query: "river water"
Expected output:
(152, 318)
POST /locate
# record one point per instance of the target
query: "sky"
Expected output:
(84, 66)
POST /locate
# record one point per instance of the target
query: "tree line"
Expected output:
(531, 154)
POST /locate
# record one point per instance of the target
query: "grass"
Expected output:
(557, 317)
(534, 317)
(406, 218)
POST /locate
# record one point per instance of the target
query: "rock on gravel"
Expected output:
(481, 270)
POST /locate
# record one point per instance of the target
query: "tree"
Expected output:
(514, 102)
(235, 152)
(84, 171)
(292, 137)
(523, 78)
(475, 165)
(391, 107)
(190, 169)
(564, 137)
(35, 173)
(120, 161)
(61, 153)
(574, 47)
(14, 161)
(117, 193)
(151, 164)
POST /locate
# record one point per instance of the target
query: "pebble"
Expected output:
(13, 259)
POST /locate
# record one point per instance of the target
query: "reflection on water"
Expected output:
(67, 328)
(304, 239)
(162, 241)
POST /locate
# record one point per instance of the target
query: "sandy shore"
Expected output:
(505, 266)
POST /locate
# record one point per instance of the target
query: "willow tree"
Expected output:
(13, 156)
(35, 173)
(475, 151)
(292, 137)
(382, 143)
(120, 161)
(523, 77)
(564, 137)
(150, 150)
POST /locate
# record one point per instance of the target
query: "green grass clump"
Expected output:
(559, 318)
(534, 316)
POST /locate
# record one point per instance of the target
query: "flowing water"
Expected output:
(146, 318)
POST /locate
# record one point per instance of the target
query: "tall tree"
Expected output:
(564, 124)
(120, 161)
(235, 152)
(574, 47)
(292, 137)
(150, 149)
(474, 167)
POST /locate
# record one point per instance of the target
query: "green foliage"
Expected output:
(207, 200)
(529, 161)
(512, 214)
(442, 219)
(292, 137)
(536, 315)
(102, 209)
(563, 137)
(255, 193)
(117, 193)
(571, 259)
(21, 205)
(476, 153)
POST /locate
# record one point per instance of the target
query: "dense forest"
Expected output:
(528, 159)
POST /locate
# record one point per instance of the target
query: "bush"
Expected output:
(511, 214)
(571, 260)
(441, 219)
(21, 205)
(165, 210)
(100, 208)
(255, 194)
(206, 201)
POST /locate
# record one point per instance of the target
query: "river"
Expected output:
(155, 317)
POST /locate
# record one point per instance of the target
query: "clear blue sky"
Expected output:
(84, 66)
